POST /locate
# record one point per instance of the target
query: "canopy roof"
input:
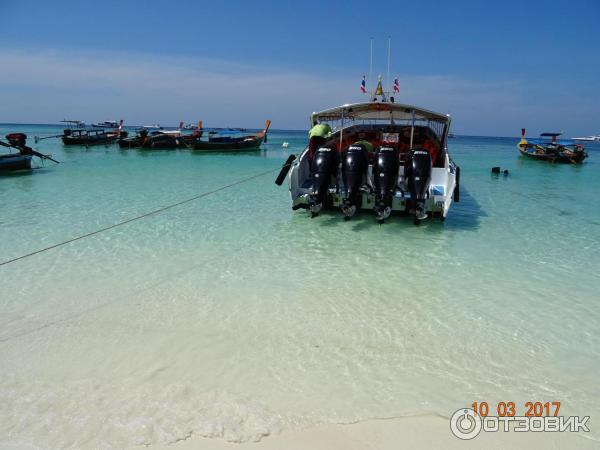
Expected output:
(550, 134)
(378, 111)
(546, 141)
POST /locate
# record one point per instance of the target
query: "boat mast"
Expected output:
(342, 130)
(412, 129)
(388, 69)
(371, 69)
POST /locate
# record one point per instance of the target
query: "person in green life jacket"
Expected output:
(317, 137)
(367, 145)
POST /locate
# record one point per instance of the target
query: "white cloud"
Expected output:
(45, 86)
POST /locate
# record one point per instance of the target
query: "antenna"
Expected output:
(389, 56)
(371, 68)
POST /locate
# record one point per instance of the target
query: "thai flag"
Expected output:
(363, 85)
(396, 86)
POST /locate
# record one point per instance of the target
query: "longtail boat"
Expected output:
(549, 148)
(161, 139)
(93, 137)
(217, 143)
(78, 134)
(22, 159)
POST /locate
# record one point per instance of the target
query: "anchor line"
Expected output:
(142, 216)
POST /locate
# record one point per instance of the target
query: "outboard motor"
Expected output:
(354, 168)
(385, 173)
(17, 139)
(418, 175)
(324, 167)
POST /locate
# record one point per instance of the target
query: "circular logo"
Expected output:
(465, 424)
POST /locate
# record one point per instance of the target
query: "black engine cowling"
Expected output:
(418, 175)
(355, 160)
(17, 139)
(385, 174)
(324, 167)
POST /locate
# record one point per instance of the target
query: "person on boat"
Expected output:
(432, 148)
(368, 145)
(317, 136)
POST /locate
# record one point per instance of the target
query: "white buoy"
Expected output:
(285, 145)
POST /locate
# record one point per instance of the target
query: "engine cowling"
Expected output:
(418, 176)
(354, 169)
(17, 139)
(385, 174)
(324, 168)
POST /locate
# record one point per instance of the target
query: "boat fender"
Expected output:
(284, 170)
(456, 195)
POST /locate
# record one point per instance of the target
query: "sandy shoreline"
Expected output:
(425, 432)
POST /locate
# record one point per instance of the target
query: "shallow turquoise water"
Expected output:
(232, 316)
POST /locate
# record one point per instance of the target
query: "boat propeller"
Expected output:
(383, 213)
(348, 211)
(314, 207)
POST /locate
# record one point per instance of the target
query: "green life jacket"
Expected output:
(367, 145)
(321, 129)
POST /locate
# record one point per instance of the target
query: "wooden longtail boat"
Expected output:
(92, 137)
(161, 139)
(22, 159)
(231, 144)
(549, 148)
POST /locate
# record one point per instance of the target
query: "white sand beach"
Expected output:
(426, 432)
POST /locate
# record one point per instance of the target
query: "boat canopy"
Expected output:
(563, 142)
(550, 134)
(378, 111)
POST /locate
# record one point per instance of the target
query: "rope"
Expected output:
(133, 219)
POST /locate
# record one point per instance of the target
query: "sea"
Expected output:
(225, 314)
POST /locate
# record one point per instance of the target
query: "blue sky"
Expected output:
(495, 66)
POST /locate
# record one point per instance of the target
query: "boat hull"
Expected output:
(249, 144)
(558, 157)
(162, 142)
(90, 140)
(15, 162)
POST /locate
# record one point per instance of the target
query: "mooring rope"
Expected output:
(167, 279)
(142, 216)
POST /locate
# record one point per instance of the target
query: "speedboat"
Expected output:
(156, 126)
(587, 139)
(106, 124)
(551, 149)
(381, 157)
